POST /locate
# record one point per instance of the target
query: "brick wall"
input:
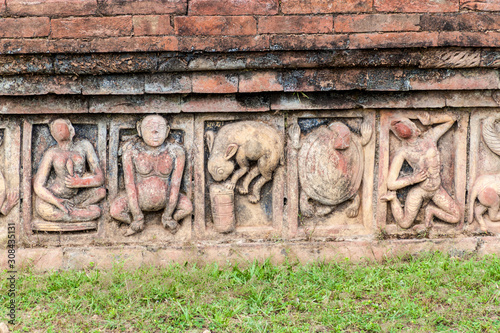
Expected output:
(82, 26)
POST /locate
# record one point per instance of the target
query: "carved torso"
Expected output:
(424, 154)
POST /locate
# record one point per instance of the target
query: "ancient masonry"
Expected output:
(207, 130)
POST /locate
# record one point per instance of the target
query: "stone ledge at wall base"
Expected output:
(132, 257)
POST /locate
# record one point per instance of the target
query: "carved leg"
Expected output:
(405, 218)
(183, 209)
(89, 213)
(305, 206)
(353, 209)
(255, 197)
(322, 210)
(91, 196)
(12, 200)
(49, 212)
(254, 172)
(447, 209)
(236, 175)
(479, 211)
(119, 209)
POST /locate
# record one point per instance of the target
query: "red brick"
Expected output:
(225, 103)
(134, 44)
(295, 24)
(224, 44)
(52, 7)
(215, 25)
(393, 40)
(325, 6)
(135, 104)
(460, 22)
(152, 25)
(469, 39)
(215, 83)
(23, 46)
(482, 5)
(43, 104)
(416, 6)
(25, 27)
(377, 22)
(445, 79)
(92, 27)
(2, 7)
(117, 7)
(308, 42)
(260, 81)
(233, 7)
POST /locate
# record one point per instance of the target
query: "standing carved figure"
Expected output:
(8, 199)
(421, 152)
(66, 190)
(152, 170)
(246, 141)
(330, 165)
(486, 188)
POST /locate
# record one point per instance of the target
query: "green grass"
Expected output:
(429, 293)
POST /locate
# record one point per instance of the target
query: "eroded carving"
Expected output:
(68, 183)
(330, 167)
(484, 5)
(419, 149)
(8, 199)
(153, 169)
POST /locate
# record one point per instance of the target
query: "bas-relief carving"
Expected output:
(417, 180)
(243, 175)
(8, 197)
(152, 170)
(331, 159)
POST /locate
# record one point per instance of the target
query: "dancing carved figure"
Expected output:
(330, 165)
(68, 183)
(421, 152)
(152, 170)
(8, 199)
(486, 188)
(245, 141)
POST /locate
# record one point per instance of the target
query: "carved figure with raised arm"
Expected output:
(68, 183)
(152, 169)
(421, 152)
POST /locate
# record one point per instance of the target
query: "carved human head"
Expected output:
(153, 130)
(61, 129)
(342, 135)
(404, 128)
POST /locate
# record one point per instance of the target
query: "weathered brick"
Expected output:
(386, 79)
(215, 83)
(260, 81)
(224, 44)
(324, 80)
(445, 79)
(416, 6)
(295, 24)
(2, 7)
(233, 7)
(462, 99)
(43, 105)
(52, 8)
(134, 44)
(312, 101)
(377, 22)
(104, 63)
(469, 39)
(308, 42)
(24, 27)
(482, 5)
(402, 100)
(23, 46)
(325, 6)
(117, 7)
(39, 85)
(393, 40)
(113, 85)
(460, 22)
(135, 104)
(168, 83)
(152, 25)
(34, 64)
(215, 25)
(225, 103)
(91, 27)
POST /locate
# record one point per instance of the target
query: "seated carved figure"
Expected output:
(7, 199)
(66, 191)
(153, 172)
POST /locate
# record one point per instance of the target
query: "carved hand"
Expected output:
(230, 185)
(73, 181)
(294, 133)
(63, 205)
(425, 118)
(420, 176)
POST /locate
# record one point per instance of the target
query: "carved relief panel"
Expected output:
(150, 183)
(422, 172)
(239, 176)
(10, 143)
(63, 175)
(330, 173)
(484, 173)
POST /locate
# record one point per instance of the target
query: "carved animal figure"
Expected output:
(245, 141)
(330, 163)
(486, 188)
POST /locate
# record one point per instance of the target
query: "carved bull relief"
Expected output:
(331, 157)
(243, 160)
(421, 182)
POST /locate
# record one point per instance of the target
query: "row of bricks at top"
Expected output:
(231, 7)
(157, 25)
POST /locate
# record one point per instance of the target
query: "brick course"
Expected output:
(52, 7)
(215, 25)
(24, 27)
(233, 7)
(91, 27)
